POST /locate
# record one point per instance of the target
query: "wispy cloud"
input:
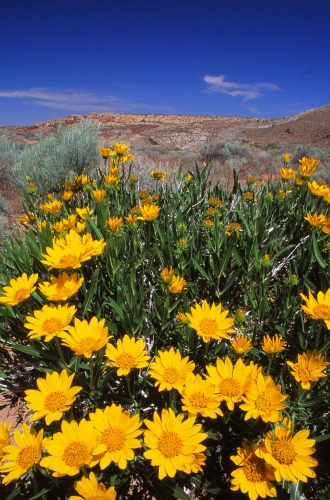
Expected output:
(246, 91)
(72, 100)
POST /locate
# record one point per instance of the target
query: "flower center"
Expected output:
(113, 438)
(69, 260)
(22, 294)
(171, 375)
(27, 457)
(262, 403)
(208, 326)
(87, 345)
(230, 387)
(283, 451)
(125, 361)
(198, 400)
(55, 401)
(76, 454)
(254, 469)
(303, 374)
(170, 444)
(322, 311)
(52, 325)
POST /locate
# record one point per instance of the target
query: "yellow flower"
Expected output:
(84, 212)
(89, 488)
(263, 399)
(199, 397)
(72, 448)
(159, 176)
(19, 289)
(72, 250)
(120, 151)
(67, 195)
(130, 353)
(167, 274)
(18, 460)
(173, 442)
(27, 218)
(210, 322)
(117, 432)
(214, 201)
(287, 173)
(288, 453)
(235, 228)
(4, 437)
(309, 368)
(80, 227)
(286, 158)
(61, 288)
(326, 227)
(326, 195)
(82, 180)
(170, 370)
(315, 219)
(308, 166)
(231, 381)
(50, 321)
(149, 212)
(199, 460)
(181, 316)
(86, 338)
(105, 152)
(54, 397)
(254, 475)
(114, 171)
(319, 307)
(272, 345)
(65, 224)
(177, 285)
(111, 180)
(131, 219)
(208, 223)
(241, 344)
(115, 223)
(317, 189)
(133, 179)
(52, 207)
(99, 194)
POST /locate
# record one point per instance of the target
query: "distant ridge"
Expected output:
(189, 132)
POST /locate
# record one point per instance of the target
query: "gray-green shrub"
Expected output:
(69, 152)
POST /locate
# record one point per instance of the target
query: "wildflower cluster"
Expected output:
(173, 338)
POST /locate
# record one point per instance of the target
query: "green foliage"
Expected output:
(255, 255)
(70, 152)
(224, 150)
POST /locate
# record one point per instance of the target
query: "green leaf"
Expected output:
(317, 253)
(180, 493)
(27, 349)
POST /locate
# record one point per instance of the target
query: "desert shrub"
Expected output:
(8, 154)
(224, 150)
(70, 152)
(178, 315)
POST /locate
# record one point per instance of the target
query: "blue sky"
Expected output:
(256, 58)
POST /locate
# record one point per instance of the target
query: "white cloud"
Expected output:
(246, 91)
(72, 100)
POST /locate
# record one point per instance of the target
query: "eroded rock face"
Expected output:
(190, 132)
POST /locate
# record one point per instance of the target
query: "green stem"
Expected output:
(129, 388)
(60, 351)
(270, 362)
(91, 374)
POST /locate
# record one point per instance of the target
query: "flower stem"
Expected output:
(60, 351)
